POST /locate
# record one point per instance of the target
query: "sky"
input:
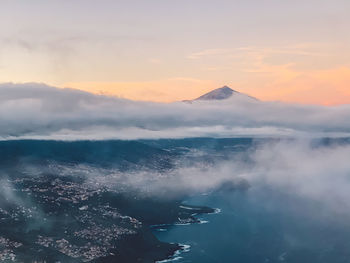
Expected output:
(162, 50)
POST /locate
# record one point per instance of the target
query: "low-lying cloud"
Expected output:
(297, 168)
(41, 112)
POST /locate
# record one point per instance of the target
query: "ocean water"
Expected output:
(261, 225)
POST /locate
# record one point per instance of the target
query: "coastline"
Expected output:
(145, 247)
(176, 256)
(183, 248)
(142, 247)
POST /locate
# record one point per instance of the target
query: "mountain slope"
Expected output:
(218, 94)
(222, 93)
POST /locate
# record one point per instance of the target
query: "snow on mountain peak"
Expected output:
(218, 94)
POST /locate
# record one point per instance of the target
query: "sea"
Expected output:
(259, 225)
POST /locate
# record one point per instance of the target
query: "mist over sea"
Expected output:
(295, 208)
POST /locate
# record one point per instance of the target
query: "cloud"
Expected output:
(38, 111)
(300, 170)
(210, 53)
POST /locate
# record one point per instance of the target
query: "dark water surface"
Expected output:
(262, 225)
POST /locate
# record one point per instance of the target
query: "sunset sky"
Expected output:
(162, 50)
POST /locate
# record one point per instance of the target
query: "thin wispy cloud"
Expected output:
(210, 53)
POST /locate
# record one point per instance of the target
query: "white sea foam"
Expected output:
(189, 208)
(169, 260)
(183, 224)
(184, 248)
(217, 211)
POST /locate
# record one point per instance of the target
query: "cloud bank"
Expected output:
(38, 111)
(297, 170)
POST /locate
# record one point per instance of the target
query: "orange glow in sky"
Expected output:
(325, 87)
(294, 51)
